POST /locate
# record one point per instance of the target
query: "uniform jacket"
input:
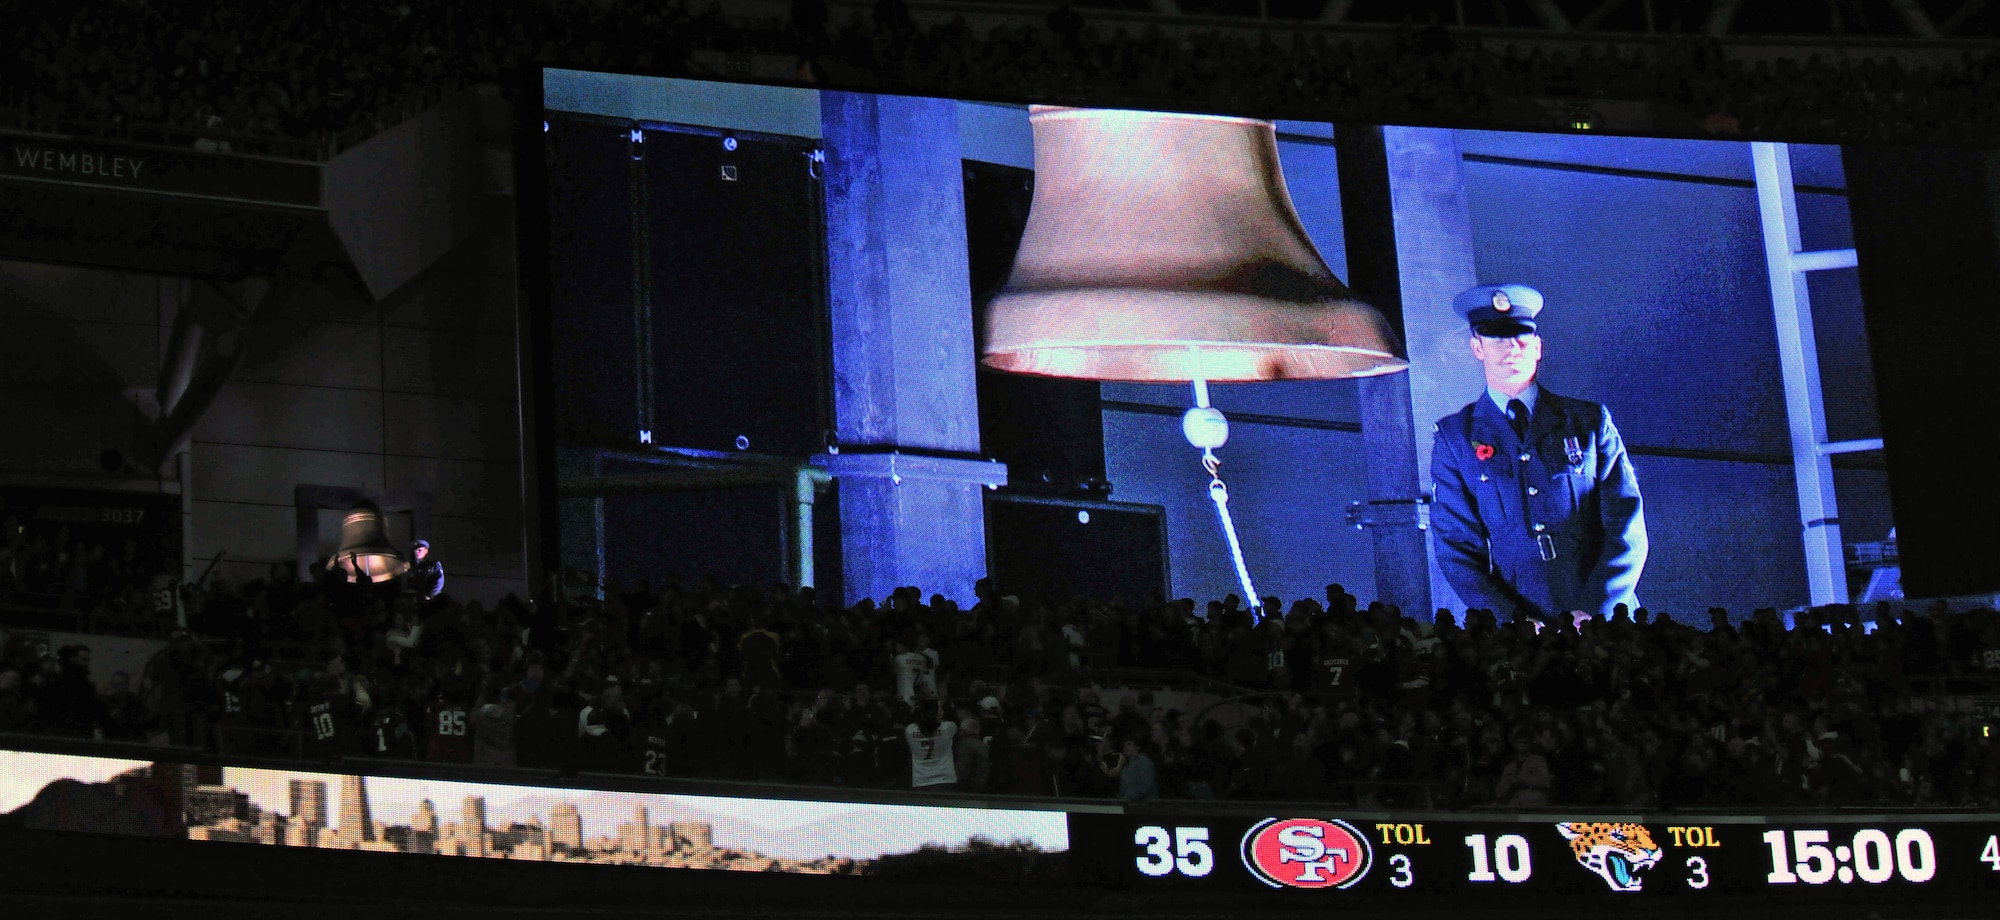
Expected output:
(427, 577)
(1547, 526)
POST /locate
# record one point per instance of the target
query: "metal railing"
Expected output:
(1160, 679)
(1408, 798)
(21, 610)
(255, 741)
(23, 113)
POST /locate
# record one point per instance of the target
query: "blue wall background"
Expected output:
(1651, 256)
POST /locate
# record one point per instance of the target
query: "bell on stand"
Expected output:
(1164, 248)
(365, 553)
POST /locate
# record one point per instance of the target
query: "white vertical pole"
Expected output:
(1798, 357)
(805, 491)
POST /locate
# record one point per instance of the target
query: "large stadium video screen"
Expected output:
(864, 341)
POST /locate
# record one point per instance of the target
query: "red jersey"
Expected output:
(450, 732)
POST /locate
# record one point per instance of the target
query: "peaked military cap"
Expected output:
(1499, 310)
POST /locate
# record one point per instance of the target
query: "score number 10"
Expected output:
(1510, 858)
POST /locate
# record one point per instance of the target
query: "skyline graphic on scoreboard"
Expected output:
(542, 824)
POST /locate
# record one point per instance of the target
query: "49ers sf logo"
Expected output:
(1305, 853)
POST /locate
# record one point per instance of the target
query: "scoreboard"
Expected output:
(1889, 857)
(1215, 857)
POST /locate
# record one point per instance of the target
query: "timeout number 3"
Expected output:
(1185, 851)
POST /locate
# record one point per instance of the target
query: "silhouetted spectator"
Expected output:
(893, 17)
(493, 730)
(1525, 780)
(930, 742)
(1138, 777)
(69, 704)
(972, 757)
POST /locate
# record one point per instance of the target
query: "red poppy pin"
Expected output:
(1482, 451)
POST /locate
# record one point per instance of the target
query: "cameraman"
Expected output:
(1138, 778)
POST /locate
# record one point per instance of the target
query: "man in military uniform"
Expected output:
(1535, 507)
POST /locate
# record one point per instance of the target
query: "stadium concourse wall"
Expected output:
(386, 369)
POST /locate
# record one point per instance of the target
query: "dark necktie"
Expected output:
(1517, 414)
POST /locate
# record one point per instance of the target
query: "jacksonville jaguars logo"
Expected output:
(1617, 852)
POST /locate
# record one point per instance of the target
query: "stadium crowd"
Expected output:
(331, 74)
(89, 576)
(1327, 701)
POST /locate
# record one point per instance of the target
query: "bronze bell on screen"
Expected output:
(1164, 248)
(365, 552)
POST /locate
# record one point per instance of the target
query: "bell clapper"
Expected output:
(1206, 428)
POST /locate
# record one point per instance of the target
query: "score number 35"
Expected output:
(1185, 850)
